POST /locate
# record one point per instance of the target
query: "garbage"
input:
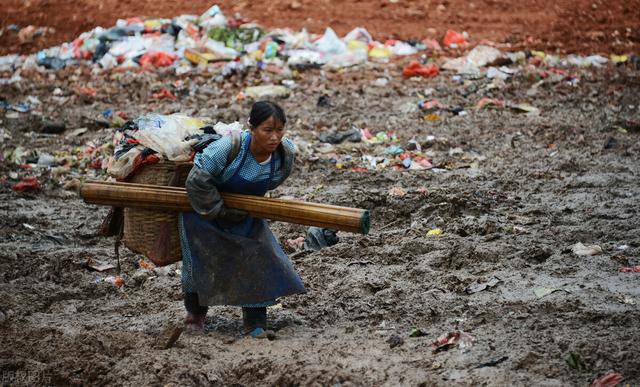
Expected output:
(297, 243)
(27, 184)
(629, 269)
(576, 362)
(479, 56)
(267, 91)
(351, 135)
(164, 93)
(453, 39)
(453, 339)
(143, 264)
(611, 379)
(158, 59)
(478, 287)
(523, 108)
(395, 341)
(319, 238)
(432, 105)
(98, 265)
(330, 44)
(485, 101)
(115, 280)
(582, 250)
(415, 69)
(417, 332)
(434, 232)
(381, 82)
(29, 33)
(397, 192)
(625, 299)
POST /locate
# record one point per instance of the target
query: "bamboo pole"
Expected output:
(175, 199)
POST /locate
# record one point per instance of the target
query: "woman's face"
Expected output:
(267, 135)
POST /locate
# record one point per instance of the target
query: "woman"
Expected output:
(230, 258)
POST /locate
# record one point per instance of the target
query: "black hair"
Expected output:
(262, 110)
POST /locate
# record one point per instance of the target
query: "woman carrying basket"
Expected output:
(229, 257)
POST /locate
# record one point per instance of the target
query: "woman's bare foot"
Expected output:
(194, 322)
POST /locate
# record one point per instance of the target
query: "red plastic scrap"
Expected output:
(87, 91)
(451, 339)
(158, 59)
(611, 379)
(164, 93)
(629, 269)
(453, 37)
(415, 69)
(29, 183)
(485, 101)
(434, 104)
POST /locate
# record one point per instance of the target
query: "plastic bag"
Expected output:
(415, 69)
(227, 129)
(166, 134)
(329, 43)
(158, 59)
(453, 38)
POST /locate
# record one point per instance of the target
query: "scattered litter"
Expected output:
(267, 91)
(629, 269)
(318, 238)
(27, 184)
(478, 287)
(449, 340)
(453, 39)
(99, 265)
(397, 192)
(115, 280)
(611, 379)
(625, 299)
(415, 69)
(582, 250)
(491, 102)
(143, 264)
(395, 341)
(434, 232)
(576, 362)
(417, 332)
(297, 243)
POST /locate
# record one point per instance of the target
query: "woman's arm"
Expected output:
(202, 180)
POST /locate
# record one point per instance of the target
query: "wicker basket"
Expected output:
(155, 233)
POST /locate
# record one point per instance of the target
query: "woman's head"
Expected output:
(266, 121)
(263, 110)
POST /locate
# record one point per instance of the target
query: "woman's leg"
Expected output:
(253, 318)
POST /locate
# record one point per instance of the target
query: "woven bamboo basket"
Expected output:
(154, 233)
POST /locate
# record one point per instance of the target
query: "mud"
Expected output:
(511, 193)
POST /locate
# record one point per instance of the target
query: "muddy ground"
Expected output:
(511, 192)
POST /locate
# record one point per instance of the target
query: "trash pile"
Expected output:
(219, 45)
(212, 42)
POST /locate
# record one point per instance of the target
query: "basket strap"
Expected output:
(236, 142)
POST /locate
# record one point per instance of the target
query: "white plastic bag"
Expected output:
(166, 134)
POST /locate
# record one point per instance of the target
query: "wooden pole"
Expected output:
(175, 199)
